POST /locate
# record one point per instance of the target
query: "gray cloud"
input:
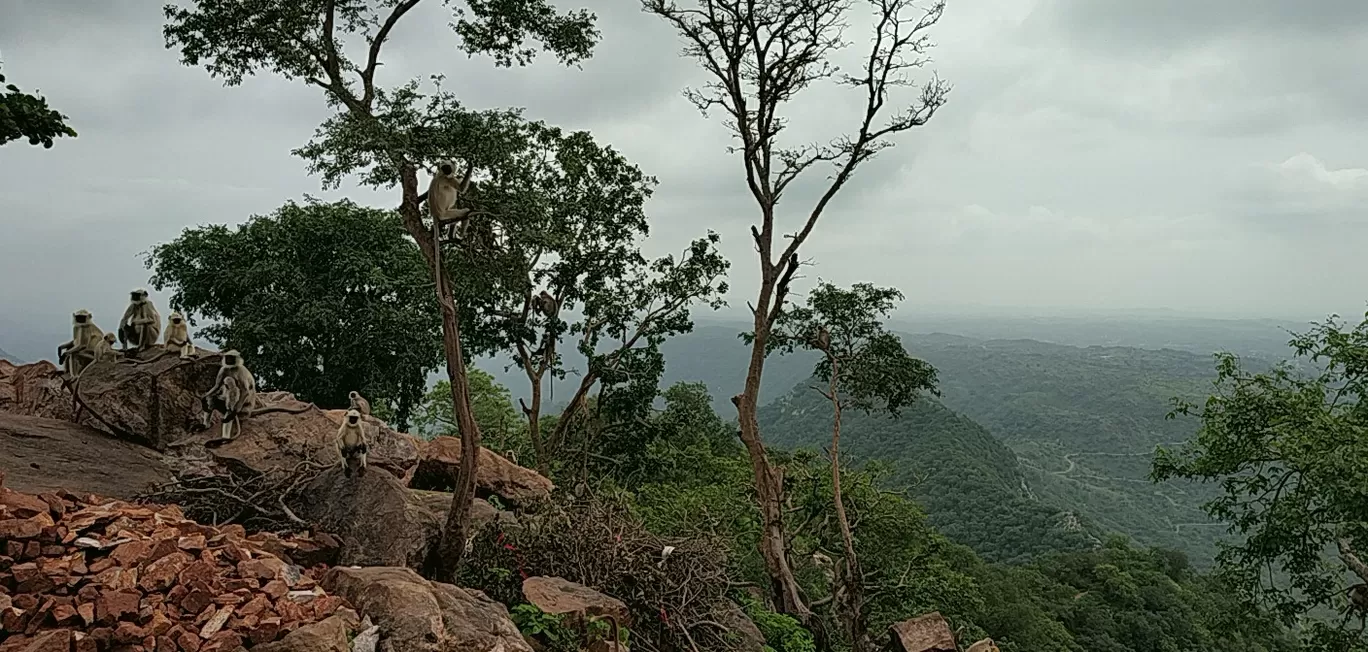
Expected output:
(1094, 153)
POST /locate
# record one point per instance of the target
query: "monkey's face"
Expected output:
(109, 337)
(230, 360)
(353, 417)
(176, 319)
(352, 395)
(81, 317)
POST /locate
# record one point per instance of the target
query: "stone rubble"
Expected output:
(80, 573)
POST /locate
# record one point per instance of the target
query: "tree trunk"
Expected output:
(769, 483)
(854, 578)
(533, 413)
(446, 561)
(572, 409)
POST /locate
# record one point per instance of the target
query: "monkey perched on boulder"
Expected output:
(351, 444)
(86, 337)
(141, 323)
(359, 404)
(178, 335)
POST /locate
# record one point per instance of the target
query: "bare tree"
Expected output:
(760, 54)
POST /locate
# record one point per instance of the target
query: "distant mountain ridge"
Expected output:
(971, 485)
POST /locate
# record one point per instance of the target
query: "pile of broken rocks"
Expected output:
(88, 574)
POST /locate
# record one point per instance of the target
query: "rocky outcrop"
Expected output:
(154, 403)
(440, 458)
(742, 633)
(281, 440)
(415, 615)
(927, 633)
(34, 390)
(555, 595)
(378, 521)
(482, 512)
(44, 455)
(327, 635)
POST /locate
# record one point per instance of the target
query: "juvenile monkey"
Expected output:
(351, 444)
(443, 190)
(178, 335)
(238, 398)
(359, 404)
(77, 354)
(231, 403)
(104, 350)
(141, 323)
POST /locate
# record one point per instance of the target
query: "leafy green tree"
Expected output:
(385, 135)
(634, 312)
(323, 298)
(28, 116)
(759, 55)
(866, 367)
(493, 406)
(1288, 450)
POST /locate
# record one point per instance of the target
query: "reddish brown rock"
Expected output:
(927, 633)
(555, 595)
(46, 454)
(440, 458)
(421, 616)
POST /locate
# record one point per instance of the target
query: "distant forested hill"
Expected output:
(970, 483)
(1084, 423)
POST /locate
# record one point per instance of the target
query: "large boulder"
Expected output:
(440, 458)
(926, 633)
(378, 520)
(153, 402)
(327, 635)
(415, 615)
(282, 440)
(34, 390)
(44, 455)
(555, 595)
(741, 630)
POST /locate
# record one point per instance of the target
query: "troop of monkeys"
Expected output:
(234, 391)
(138, 331)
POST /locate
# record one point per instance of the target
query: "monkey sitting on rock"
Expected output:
(140, 325)
(351, 444)
(86, 338)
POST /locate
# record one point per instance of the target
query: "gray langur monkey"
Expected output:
(443, 190)
(233, 399)
(178, 335)
(86, 337)
(105, 351)
(820, 339)
(359, 404)
(546, 304)
(351, 444)
(141, 323)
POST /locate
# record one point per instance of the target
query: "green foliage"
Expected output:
(1287, 449)
(491, 403)
(321, 298)
(870, 363)
(238, 39)
(782, 633)
(28, 116)
(547, 628)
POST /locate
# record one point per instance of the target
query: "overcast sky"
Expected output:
(1198, 156)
